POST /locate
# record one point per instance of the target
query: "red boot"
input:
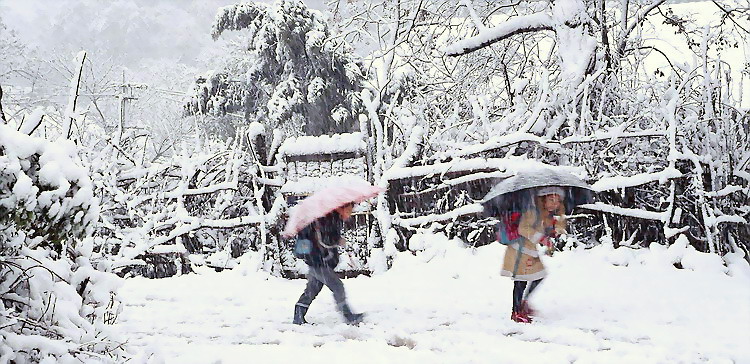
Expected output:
(521, 317)
(526, 309)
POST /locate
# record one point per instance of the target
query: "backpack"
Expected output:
(507, 231)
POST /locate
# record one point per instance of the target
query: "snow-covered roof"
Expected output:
(324, 144)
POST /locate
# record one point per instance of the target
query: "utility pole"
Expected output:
(126, 94)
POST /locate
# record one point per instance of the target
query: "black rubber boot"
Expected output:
(351, 317)
(299, 315)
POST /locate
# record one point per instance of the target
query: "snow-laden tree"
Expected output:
(287, 74)
(567, 82)
(54, 305)
(422, 105)
(458, 102)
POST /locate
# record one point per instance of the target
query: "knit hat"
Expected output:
(544, 191)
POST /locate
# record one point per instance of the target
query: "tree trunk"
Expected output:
(2, 114)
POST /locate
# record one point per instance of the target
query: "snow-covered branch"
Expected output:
(451, 215)
(726, 191)
(486, 37)
(716, 220)
(638, 213)
(498, 142)
(459, 165)
(611, 135)
(237, 17)
(613, 183)
(203, 190)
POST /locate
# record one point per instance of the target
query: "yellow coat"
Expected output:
(530, 267)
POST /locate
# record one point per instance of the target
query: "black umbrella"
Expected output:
(516, 193)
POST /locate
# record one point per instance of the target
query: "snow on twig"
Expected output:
(477, 22)
(202, 190)
(638, 19)
(612, 135)
(742, 174)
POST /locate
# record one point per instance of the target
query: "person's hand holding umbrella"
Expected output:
(548, 244)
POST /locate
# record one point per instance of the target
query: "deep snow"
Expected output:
(449, 304)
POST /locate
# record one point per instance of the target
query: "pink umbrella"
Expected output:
(322, 202)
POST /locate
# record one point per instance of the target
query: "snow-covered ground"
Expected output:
(449, 304)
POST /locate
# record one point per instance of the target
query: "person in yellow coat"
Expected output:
(540, 223)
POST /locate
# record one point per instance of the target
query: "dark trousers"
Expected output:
(317, 277)
(518, 288)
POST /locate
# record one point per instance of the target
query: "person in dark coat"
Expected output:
(324, 257)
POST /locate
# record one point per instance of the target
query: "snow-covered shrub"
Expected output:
(156, 214)
(44, 192)
(54, 306)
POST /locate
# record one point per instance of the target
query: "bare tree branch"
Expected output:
(638, 20)
(662, 53)
(729, 15)
(75, 85)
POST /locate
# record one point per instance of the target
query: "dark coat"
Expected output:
(325, 252)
